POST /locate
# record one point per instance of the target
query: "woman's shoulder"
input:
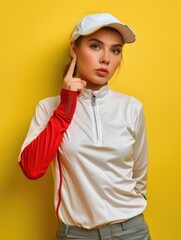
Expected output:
(49, 104)
(50, 100)
(126, 99)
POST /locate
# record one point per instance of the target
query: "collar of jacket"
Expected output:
(101, 95)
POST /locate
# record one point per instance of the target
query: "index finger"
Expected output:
(71, 68)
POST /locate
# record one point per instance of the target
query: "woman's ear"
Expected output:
(73, 49)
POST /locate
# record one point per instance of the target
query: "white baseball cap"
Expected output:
(91, 23)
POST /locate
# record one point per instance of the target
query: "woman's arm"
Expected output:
(140, 154)
(38, 154)
(40, 147)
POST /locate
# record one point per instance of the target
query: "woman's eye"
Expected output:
(116, 51)
(95, 46)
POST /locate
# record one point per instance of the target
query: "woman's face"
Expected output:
(98, 57)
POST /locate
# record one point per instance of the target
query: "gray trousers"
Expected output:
(132, 229)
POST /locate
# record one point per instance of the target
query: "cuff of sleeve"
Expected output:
(68, 102)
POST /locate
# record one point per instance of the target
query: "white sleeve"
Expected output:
(140, 154)
(38, 123)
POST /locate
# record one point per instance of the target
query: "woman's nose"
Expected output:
(105, 58)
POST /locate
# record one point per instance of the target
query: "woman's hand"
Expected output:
(73, 83)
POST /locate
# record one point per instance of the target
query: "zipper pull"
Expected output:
(93, 100)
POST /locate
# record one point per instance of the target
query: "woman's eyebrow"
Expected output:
(97, 40)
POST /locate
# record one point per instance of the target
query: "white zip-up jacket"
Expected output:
(98, 153)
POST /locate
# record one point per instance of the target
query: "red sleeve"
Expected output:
(38, 155)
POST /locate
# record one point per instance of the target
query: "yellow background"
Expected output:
(34, 40)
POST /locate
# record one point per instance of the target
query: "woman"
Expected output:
(95, 139)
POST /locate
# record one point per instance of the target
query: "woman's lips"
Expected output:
(102, 72)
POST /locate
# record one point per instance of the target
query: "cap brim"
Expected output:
(127, 34)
